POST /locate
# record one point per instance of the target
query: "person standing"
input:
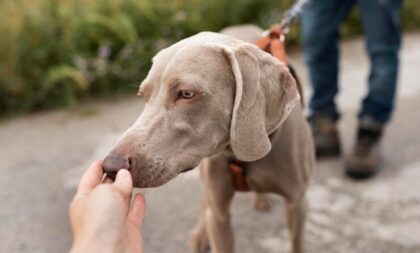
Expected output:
(382, 30)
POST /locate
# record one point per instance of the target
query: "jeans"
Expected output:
(382, 29)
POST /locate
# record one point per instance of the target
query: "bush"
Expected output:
(56, 52)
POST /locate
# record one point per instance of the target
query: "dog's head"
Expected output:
(202, 94)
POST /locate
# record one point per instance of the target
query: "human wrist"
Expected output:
(89, 242)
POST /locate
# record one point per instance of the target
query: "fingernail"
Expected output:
(123, 174)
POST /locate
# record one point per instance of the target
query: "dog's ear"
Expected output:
(265, 95)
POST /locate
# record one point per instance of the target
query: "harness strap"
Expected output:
(238, 172)
(273, 43)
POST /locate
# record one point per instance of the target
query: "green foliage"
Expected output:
(411, 14)
(56, 52)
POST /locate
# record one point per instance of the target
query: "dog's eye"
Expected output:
(186, 94)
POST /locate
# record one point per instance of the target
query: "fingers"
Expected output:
(90, 179)
(137, 210)
(123, 183)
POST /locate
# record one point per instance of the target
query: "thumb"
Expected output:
(124, 183)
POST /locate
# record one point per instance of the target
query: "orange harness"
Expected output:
(238, 173)
(273, 43)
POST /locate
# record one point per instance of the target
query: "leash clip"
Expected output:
(265, 33)
(282, 37)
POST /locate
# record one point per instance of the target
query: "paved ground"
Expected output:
(43, 156)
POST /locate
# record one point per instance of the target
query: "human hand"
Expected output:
(100, 214)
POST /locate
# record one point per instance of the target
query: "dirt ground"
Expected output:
(44, 155)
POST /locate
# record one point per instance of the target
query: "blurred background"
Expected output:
(57, 52)
(69, 71)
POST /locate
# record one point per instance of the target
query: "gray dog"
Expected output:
(212, 98)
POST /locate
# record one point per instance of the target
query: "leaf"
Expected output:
(62, 73)
(124, 28)
(121, 26)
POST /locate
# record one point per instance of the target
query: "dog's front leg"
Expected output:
(219, 192)
(220, 231)
(199, 239)
(296, 214)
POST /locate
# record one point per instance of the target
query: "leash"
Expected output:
(293, 14)
(273, 39)
(272, 42)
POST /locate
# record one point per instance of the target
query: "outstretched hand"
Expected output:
(100, 213)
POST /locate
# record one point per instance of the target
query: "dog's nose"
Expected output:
(115, 162)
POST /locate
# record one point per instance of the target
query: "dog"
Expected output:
(212, 98)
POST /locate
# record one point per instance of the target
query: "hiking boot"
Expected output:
(363, 163)
(325, 134)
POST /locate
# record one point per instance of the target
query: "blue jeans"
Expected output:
(320, 30)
